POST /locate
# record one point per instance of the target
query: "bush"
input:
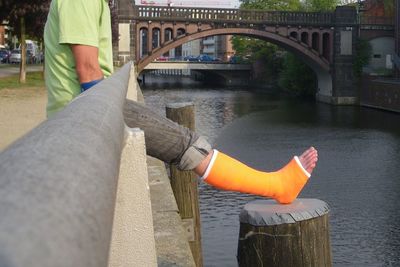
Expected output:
(297, 78)
(362, 57)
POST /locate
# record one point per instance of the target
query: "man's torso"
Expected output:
(85, 22)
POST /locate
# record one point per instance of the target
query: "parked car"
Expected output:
(191, 58)
(178, 58)
(4, 56)
(34, 51)
(162, 58)
(234, 59)
(15, 56)
(205, 58)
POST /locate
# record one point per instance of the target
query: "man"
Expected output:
(79, 55)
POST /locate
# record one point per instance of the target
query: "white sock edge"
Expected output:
(210, 165)
(296, 158)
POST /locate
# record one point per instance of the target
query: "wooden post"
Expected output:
(284, 235)
(184, 184)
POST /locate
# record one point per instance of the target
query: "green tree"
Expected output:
(296, 77)
(321, 5)
(252, 49)
(279, 5)
(27, 17)
(363, 56)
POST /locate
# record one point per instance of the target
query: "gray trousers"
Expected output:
(165, 139)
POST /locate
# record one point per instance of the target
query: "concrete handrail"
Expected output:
(58, 184)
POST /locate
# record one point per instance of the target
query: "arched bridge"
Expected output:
(325, 41)
(310, 34)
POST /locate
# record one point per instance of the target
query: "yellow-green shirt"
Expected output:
(85, 22)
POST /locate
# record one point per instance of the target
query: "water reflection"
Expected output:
(357, 173)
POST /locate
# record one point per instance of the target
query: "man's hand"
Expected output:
(87, 63)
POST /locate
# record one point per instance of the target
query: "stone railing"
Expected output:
(372, 20)
(74, 191)
(158, 13)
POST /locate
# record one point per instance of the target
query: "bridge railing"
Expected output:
(160, 13)
(373, 20)
(59, 184)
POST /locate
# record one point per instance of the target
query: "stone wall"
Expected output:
(379, 93)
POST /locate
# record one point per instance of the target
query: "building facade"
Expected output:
(191, 48)
(219, 47)
(374, 16)
(3, 36)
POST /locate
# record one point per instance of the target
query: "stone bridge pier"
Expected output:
(323, 40)
(343, 89)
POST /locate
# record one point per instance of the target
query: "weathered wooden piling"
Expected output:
(184, 184)
(284, 235)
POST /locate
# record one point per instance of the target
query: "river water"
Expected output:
(357, 173)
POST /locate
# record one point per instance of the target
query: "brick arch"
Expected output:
(310, 57)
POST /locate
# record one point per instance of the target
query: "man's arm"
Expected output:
(87, 63)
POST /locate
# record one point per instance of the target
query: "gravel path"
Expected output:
(20, 111)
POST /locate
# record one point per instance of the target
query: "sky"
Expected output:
(192, 3)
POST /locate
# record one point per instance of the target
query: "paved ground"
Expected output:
(12, 69)
(20, 111)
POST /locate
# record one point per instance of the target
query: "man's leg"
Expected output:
(165, 139)
(284, 185)
(175, 144)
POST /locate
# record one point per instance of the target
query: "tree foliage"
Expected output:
(258, 50)
(26, 17)
(363, 56)
(320, 5)
(279, 5)
(33, 12)
(294, 75)
(252, 50)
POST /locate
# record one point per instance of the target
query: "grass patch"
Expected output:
(33, 79)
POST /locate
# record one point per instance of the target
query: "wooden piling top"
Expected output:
(269, 212)
(179, 105)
